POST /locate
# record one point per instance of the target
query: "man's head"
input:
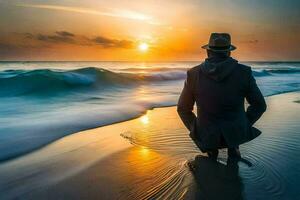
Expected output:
(219, 45)
(222, 54)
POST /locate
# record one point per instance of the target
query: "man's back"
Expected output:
(219, 87)
(220, 94)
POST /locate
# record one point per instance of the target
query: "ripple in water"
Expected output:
(274, 173)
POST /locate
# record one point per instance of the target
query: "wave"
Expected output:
(45, 81)
(284, 70)
(20, 82)
(50, 81)
(154, 69)
(270, 72)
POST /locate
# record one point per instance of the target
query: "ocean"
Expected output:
(44, 101)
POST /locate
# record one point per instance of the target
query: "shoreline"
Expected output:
(11, 158)
(2, 161)
(152, 157)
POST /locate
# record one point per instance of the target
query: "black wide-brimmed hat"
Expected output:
(219, 42)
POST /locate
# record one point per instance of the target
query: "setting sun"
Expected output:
(143, 47)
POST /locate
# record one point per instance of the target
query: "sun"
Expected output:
(143, 47)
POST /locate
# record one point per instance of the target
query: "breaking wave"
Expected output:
(48, 81)
(45, 81)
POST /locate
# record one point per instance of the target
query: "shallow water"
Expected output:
(274, 172)
(153, 164)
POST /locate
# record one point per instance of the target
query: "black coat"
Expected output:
(219, 88)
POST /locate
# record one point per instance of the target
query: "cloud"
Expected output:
(253, 41)
(7, 47)
(250, 41)
(9, 50)
(58, 37)
(64, 34)
(126, 14)
(16, 45)
(66, 37)
(112, 43)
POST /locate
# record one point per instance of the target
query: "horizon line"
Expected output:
(148, 61)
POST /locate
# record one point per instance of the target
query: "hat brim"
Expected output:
(231, 48)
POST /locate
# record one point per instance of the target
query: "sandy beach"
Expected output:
(146, 158)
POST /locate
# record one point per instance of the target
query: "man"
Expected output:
(219, 87)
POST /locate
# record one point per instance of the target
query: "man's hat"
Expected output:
(219, 42)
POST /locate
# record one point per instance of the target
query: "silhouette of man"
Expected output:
(219, 87)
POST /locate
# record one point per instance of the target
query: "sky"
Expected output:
(146, 30)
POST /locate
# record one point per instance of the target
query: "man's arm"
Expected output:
(186, 103)
(256, 100)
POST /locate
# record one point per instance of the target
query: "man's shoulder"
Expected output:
(194, 69)
(244, 67)
(192, 73)
(243, 71)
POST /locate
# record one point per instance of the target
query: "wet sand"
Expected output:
(146, 158)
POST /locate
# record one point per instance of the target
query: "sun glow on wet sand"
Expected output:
(145, 119)
(143, 47)
(144, 150)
